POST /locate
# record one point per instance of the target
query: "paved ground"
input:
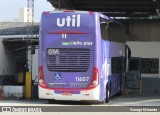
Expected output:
(128, 100)
(136, 100)
(144, 100)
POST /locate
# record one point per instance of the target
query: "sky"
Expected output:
(9, 9)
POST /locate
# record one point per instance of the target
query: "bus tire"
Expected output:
(107, 95)
(106, 100)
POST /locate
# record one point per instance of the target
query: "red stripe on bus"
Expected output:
(68, 89)
(67, 32)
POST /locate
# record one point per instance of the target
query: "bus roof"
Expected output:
(71, 11)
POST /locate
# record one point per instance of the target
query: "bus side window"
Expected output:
(117, 65)
(113, 65)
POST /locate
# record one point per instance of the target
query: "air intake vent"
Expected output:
(68, 59)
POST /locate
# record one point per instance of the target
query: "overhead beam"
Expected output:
(113, 2)
(118, 8)
(123, 7)
(70, 4)
(127, 15)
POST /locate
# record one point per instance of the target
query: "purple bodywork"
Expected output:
(70, 47)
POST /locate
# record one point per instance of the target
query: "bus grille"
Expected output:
(68, 60)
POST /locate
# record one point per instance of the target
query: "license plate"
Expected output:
(67, 93)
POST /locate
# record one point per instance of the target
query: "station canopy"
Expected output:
(113, 8)
(14, 33)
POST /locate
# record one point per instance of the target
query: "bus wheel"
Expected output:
(106, 100)
(108, 95)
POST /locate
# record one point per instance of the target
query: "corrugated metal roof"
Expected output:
(113, 8)
(16, 28)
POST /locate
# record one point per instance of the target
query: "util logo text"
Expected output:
(69, 21)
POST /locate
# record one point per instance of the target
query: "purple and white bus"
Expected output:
(75, 58)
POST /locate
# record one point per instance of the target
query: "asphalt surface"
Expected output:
(79, 108)
(125, 100)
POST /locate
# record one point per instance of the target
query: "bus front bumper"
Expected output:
(92, 94)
